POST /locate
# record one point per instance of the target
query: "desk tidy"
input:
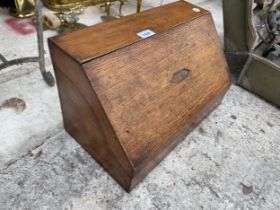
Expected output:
(131, 89)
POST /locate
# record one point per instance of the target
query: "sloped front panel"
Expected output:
(150, 90)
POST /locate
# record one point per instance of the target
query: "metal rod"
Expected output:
(139, 4)
(120, 8)
(17, 61)
(108, 7)
(48, 77)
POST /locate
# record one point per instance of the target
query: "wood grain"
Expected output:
(88, 43)
(144, 106)
(131, 106)
(85, 120)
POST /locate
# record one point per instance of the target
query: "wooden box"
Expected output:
(129, 100)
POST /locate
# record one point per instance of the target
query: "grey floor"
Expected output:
(230, 161)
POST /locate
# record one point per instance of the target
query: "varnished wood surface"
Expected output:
(86, 44)
(129, 108)
(135, 85)
(194, 120)
(85, 119)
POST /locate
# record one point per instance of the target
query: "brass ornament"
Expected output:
(65, 5)
(26, 8)
(23, 9)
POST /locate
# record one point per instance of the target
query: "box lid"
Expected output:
(86, 44)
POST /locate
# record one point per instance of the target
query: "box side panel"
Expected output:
(151, 89)
(85, 119)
